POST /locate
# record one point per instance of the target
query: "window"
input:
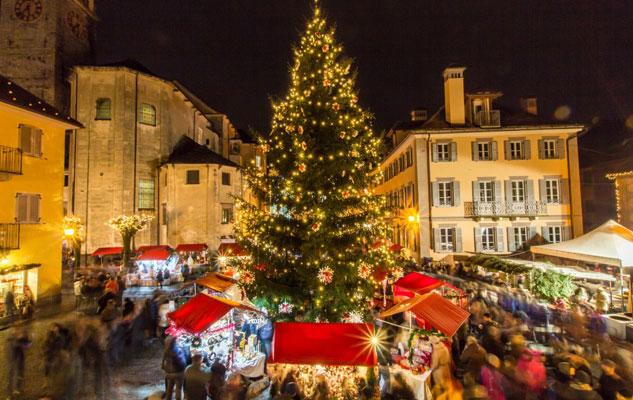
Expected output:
(193, 177)
(488, 239)
(147, 114)
(518, 191)
(27, 208)
(516, 150)
(163, 213)
(445, 193)
(207, 142)
(235, 148)
(443, 152)
(226, 178)
(227, 215)
(520, 236)
(103, 109)
(446, 239)
(30, 140)
(483, 151)
(549, 148)
(401, 163)
(258, 161)
(409, 157)
(486, 191)
(146, 194)
(554, 234)
(551, 191)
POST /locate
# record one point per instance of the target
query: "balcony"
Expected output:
(10, 160)
(9, 236)
(488, 119)
(496, 209)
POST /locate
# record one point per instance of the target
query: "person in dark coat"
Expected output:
(17, 345)
(174, 364)
(610, 381)
(196, 379)
(103, 301)
(128, 307)
(473, 357)
(160, 277)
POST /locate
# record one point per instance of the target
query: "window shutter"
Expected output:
(456, 194)
(566, 232)
(497, 191)
(457, 235)
(560, 148)
(527, 150)
(493, 150)
(475, 152)
(434, 151)
(545, 233)
(529, 190)
(499, 240)
(563, 191)
(508, 186)
(453, 147)
(21, 207)
(541, 149)
(542, 190)
(436, 194)
(34, 208)
(511, 244)
(436, 239)
(37, 142)
(506, 146)
(478, 240)
(476, 191)
(25, 139)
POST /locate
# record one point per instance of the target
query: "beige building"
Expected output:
(133, 121)
(474, 177)
(197, 195)
(623, 189)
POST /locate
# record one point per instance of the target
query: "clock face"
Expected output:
(28, 10)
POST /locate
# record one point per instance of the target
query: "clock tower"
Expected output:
(41, 39)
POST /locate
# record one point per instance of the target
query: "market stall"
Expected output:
(193, 254)
(110, 254)
(417, 283)
(155, 265)
(218, 283)
(15, 284)
(228, 251)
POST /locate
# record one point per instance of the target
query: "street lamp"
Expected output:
(69, 232)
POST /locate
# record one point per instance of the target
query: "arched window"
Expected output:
(104, 109)
(147, 114)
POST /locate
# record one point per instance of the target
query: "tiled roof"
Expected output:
(131, 64)
(187, 151)
(245, 137)
(15, 95)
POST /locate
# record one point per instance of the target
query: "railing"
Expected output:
(10, 160)
(490, 119)
(9, 236)
(504, 209)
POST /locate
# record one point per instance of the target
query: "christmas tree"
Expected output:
(313, 244)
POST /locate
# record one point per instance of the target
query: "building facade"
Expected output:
(474, 177)
(623, 194)
(133, 121)
(31, 185)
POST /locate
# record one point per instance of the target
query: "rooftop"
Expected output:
(187, 151)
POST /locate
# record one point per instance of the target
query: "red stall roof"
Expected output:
(202, 311)
(231, 249)
(153, 253)
(194, 247)
(443, 315)
(323, 343)
(107, 251)
(415, 282)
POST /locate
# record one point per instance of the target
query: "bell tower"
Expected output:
(41, 39)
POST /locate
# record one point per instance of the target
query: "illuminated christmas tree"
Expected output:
(313, 243)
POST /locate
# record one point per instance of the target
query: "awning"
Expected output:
(8, 269)
(323, 344)
(415, 282)
(231, 249)
(193, 247)
(440, 313)
(216, 281)
(107, 251)
(202, 311)
(154, 253)
(610, 244)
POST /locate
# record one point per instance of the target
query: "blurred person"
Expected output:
(128, 307)
(216, 383)
(17, 345)
(491, 341)
(492, 379)
(440, 361)
(112, 285)
(163, 321)
(196, 379)
(624, 394)
(9, 303)
(104, 299)
(159, 278)
(473, 357)
(530, 371)
(559, 389)
(580, 387)
(610, 381)
(173, 364)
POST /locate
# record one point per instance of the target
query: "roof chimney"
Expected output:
(454, 105)
(419, 114)
(529, 105)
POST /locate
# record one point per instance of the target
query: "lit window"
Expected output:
(443, 152)
(103, 109)
(258, 161)
(554, 234)
(146, 194)
(147, 114)
(516, 150)
(483, 151)
(551, 191)
(445, 193)
(486, 191)
(193, 177)
(30, 140)
(226, 178)
(446, 239)
(520, 236)
(549, 148)
(488, 239)
(227, 215)
(27, 208)
(518, 191)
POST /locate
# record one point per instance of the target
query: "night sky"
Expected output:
(235, 53)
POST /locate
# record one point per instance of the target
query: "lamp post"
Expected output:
(73, 232)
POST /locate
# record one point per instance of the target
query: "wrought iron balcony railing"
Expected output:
(504, 209)
(490, 119)
(10, 160)
(9, 236)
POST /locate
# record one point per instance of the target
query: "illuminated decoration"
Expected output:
(614, 177)
(320, 216)
(127, 226)
(74, 233)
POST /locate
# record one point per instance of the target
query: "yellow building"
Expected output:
(474, 177)
(31, 185)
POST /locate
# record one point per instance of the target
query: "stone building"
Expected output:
(477, 177)
(133, 121)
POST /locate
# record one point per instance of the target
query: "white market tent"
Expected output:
(609, 244)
